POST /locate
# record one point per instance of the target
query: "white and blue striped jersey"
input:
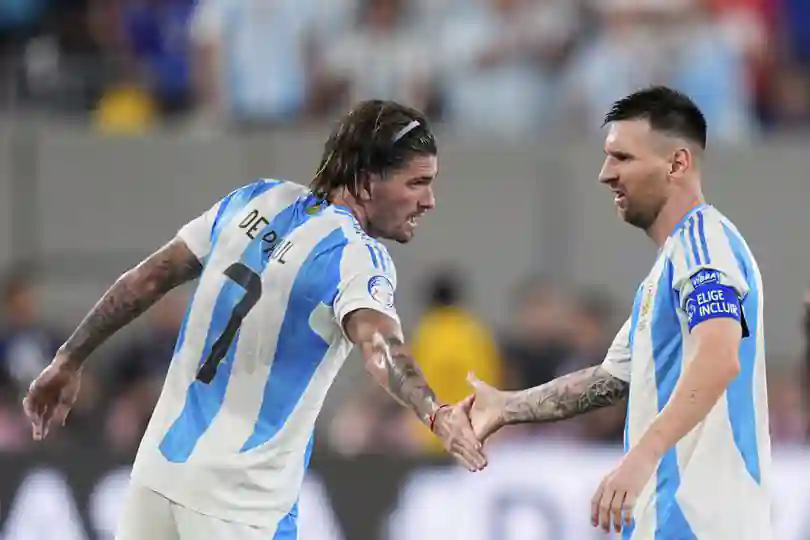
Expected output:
(714, 484)
(261, 344)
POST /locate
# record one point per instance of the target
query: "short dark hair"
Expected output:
(446, 288)
(667, 110)
(375, 137)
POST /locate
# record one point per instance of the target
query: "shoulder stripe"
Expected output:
(383, 261)
(703, 244)
(687, 255)
(693, 241)
(373, 256)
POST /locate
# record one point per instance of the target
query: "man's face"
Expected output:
(636, 170)
(400, 199)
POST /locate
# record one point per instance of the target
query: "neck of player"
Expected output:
(347, 200)
(672, 213)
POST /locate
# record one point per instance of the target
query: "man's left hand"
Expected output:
(616, 496)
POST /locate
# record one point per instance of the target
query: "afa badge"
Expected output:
(646, 305)
(381, 289)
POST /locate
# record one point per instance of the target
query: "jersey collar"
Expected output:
(686, 217)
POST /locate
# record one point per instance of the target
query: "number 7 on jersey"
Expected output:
(252, 283)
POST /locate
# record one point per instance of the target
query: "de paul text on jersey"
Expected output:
(273, 246)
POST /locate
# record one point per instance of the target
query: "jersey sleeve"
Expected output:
(706, 277)
(197, 232)
(200, 233)
(617, 359)
(367, 281)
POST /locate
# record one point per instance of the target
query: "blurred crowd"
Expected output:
(505, 67)
(551, 331)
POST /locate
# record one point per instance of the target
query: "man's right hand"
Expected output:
(487, 414)
(51, 395)
(452, 426)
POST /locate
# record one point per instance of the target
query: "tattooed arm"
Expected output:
(54, 391)
(389, 362)
(567, 396)
(564, 397)
(131, 295)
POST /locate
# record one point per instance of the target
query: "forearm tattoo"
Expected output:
(131, 295)
(405, 381)
(566, 396)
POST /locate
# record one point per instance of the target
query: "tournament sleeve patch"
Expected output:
(381, 289)
(711, 299)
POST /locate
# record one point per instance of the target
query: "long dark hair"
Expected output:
(375, 137)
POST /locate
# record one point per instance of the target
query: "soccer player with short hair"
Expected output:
(691, 357)
(290, 279)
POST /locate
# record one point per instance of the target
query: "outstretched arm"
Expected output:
(54, 391)
(390, 363)
(564, 397)
(131, 295)
(567, 396)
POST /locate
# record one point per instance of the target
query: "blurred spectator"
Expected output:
(500, 62)
(136, 376)
(673, 42)
(448, 343)
(27, 344)
(371, 422)
(148, 43)
(156, 35)
(253, 59)
(788, 418)
(593, 329)
(537, 341)
(386, 55)
(18, 20)
(795, 19)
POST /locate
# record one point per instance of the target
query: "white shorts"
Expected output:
(147, 515)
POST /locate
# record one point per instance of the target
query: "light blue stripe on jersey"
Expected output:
(667, 353)
(203, 401)
(374, 260)
(631, 340)
(689, 262)
(383, 260)
(693, 241)
(287, 528)
(740, 394)
(702, 235)
(300, 350)
(235, 202)
(627, 532)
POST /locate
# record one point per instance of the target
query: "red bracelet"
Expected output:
(436, 413)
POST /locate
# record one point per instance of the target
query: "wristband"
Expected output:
(435, 414)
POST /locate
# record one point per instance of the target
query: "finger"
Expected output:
(462, 460)
(616, 507)
(475, 460)
(38, 424)
(33, 411)
(467, 403)
(470, 449)
(60, 414)
(474, 381)
(469, 441)
(604, 508)
(628, 507)
(597, 498)
(45, 420)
